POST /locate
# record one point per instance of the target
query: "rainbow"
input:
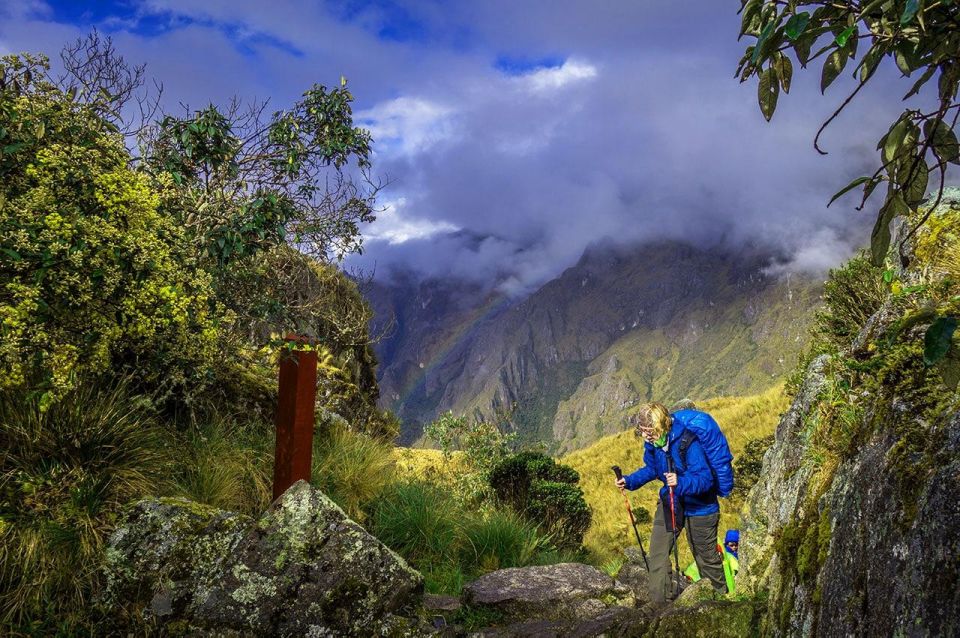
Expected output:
(416, 382)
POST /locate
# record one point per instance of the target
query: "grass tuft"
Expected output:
(351, 468)
(64, 473)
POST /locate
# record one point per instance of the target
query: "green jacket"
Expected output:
(730, 568)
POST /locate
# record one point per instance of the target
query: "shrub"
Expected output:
(747, 466)
(850, 295)
(91, 275)
(543, 491)
(64, 473)
(351, 468)
(501, 539)
(483, 446)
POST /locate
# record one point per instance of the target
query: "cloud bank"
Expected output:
(514, 135)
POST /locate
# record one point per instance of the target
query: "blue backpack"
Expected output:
(700, 426)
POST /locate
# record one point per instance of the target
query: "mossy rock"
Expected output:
(713, 619)
(304, 568)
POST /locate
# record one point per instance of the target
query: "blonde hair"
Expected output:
(651, 416)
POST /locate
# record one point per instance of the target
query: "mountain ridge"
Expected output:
(621, 325)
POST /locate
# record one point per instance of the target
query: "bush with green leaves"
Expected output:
(226, 464)
(92, 277)
(449, 542)
(546, 492)
(483, 445)
(352, 468)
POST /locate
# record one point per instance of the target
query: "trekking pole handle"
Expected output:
(616, 470)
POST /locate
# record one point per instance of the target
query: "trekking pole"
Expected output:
(633, 521)
(673, 519)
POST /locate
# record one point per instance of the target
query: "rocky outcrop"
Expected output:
(568, 599)
(854, 526)
(563, 591)
(304, 568)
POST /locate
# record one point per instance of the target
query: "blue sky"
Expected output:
(516, 134)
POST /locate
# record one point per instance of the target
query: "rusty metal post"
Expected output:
(295, 417)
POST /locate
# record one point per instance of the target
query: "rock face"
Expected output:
(563, 591)
(854, 526)
(303, 569)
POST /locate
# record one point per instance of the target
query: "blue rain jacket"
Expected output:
(696, 484)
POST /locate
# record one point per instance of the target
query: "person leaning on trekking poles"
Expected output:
(687, 452)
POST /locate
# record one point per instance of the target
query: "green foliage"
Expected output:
(92, 276)
(851, 294)
(483, 446)
(747, 466)
(916, 36)
(352, 468)
(64, 473)
(242, 182)
(544, 492)
(421, 521)
(450, 543)
(227, 465)
(501, 539)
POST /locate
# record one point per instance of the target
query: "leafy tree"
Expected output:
(245, 182)
(922, 37)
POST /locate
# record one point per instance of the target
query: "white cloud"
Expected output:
(552, 79)
(817, 254)
(408, 125)
(393, 227)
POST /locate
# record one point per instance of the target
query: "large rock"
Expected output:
(709, 620)
(303, 569)
(546, 592)
(615, 622)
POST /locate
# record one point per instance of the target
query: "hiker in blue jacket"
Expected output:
(686, 451)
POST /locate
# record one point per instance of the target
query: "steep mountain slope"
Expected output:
(659, 321)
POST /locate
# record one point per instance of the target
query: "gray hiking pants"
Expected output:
(702, 535)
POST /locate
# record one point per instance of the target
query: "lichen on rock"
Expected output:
(303, 569)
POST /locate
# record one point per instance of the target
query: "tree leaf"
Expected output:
(870, 62)
(909, 11)
(895, 139)
(784, 71)
(919, 83)
(938, 339)
(802, 48)
(768, 91)
(913, 178)
(796, 25)
(10, 149)
(844, 36)
(943, 140)
(880, 237)
(762, 40)
(905, 58)
(832, 68)
(751, 13)
(849, 187)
